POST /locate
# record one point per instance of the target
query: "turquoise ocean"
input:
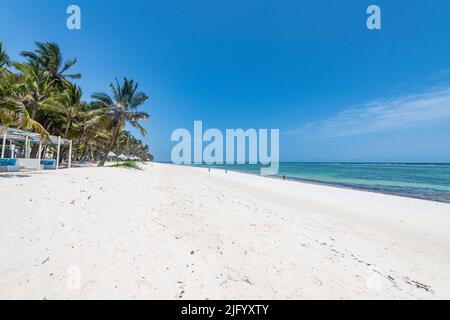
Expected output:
(417, 180)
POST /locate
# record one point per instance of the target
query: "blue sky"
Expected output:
(336, 90)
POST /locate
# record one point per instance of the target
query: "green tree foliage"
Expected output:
(38, 95)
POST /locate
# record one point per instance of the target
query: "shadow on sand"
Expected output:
(11, 175)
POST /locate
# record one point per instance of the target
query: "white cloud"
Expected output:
(384, 115)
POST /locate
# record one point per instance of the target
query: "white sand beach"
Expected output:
(171, 232)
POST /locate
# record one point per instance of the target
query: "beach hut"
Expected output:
(17, 145)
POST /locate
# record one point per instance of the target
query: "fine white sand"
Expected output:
(173, 232)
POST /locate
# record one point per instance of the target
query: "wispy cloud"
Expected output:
(384, 115)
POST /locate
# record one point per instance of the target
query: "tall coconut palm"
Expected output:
(67, 107)
(13, 111)
(4, 59)
(17, 116)
(4, 72)
(88, 129)
(122, 109)
(130, 145)
(33, 90)
(48, 56)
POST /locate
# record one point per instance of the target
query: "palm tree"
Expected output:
(69, 106)
(48, 56)
(123, 141)
(13, 111)
(122, 108)
(130, 145)
(17, 116)
(4, 72)
(37, 96)
(33, 90)
(88, 130)
(4, 59)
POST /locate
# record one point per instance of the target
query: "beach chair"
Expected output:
(9, 165)
(48, 164)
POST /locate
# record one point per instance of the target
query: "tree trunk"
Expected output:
(117, 152)
(63, 155)
(111, 146)
(65, 152)
(69, 123)
(85, 153)
(33, 113)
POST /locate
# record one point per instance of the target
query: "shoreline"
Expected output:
(178, 232)
(334, 184)
(292, 179)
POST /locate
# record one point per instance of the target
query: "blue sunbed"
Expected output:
(48, 164)
(9, 165)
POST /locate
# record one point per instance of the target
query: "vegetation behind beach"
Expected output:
(40, 95)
